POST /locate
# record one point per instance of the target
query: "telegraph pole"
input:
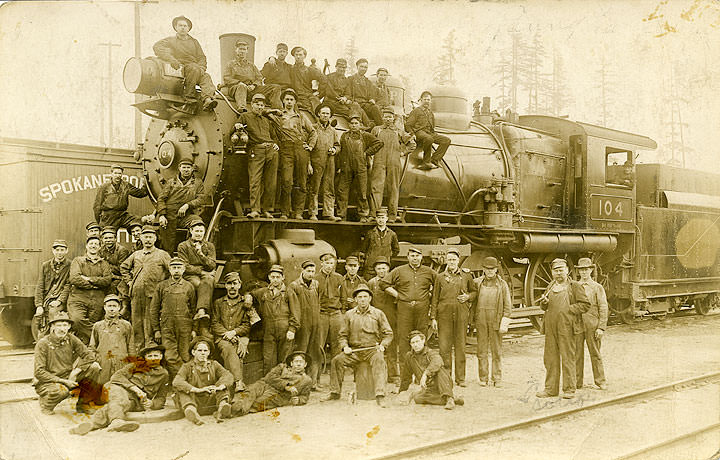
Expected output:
(110, 91)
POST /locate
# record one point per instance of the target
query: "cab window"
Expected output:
(619, 169)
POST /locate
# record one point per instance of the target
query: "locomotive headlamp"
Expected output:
(239, 126)
(234, 138)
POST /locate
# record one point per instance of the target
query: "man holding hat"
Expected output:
(351, 281)
(263, 160)
(594, 322)
(494, 302)
(303, 297)
(564, 302)
(421, 123)
(286, 384)
(342, 104)
(171, 315)
(426, 365)
(183, 50)
(386, 169)
(242, 78)
(202, 384)
(231, 322)
(380, 241)
(452, 298)
(114, 254)
(63, 363)
(180, 202)
(199, 257)
(364, 336)
(331, 309)
(386, 303)
(364, 92)
(142, 271)
(309, 82)
(52, 289)
(322, 162)
(277, 73)
(111, 200)
(139, 386)
(297, 138)
(411, 284)
(356, 148)
(111, 340)
(280, 318)
(90, 276)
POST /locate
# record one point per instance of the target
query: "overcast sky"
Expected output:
(54, 71)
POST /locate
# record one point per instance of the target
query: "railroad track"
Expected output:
(449, 446)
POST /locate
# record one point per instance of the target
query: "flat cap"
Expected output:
(381, 260)
(135, 223)
(307, 263)
(176, 261)
(325, 255)
(186, 161)
(341, 61)
(116, 166)
(388, 109)
(258, 96)
(287, 91)
(352, 260)
(558, 263)
(322, 106)
(414, 249)
(277, 269)
(111, 230)
(414, 333)
(232, 276)
(241, 42)
(196, 222)
(148, 229)
(111, 298)
(453, 251)
(355, 116)
(60, 243)
(382, 211)
(361, 288)
(201, 339)
(92, 237)
(181, 18)
(490, 262)
(92, 225)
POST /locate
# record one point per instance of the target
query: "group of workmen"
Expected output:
(292, 144)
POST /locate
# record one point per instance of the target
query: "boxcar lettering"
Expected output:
(45, 194)
(97, 180)
(76, 184)
(66, 187)
(55, 188)
(80, 183)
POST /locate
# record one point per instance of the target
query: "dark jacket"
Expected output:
(111, 198)
(420, 119)
(154, 382)
(502, 305)
(53, 283)
(352, 158)
(176, 193)
(197, 262)
(174, 50)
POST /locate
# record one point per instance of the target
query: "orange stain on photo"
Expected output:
(370, 434)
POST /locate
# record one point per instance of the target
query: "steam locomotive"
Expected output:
(525, 190)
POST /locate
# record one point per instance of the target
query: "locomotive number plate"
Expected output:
(608, 207)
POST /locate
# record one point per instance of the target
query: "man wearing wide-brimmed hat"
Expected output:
(139, 386)
(493, 305)
(594, 324)
(364, 336)
(52, 289)
(286, 384)
(183, 50)
(564, 302)
(63, 363)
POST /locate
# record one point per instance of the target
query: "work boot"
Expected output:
(330, 397)
(224, 410)
(568, 395)
(283, 216)
(434, 164)
(544, 394)
(123, 425)
(450, 403)
(82, 429)
(483, 383)
(462, 383)
(333, 218)
(240, 386)
(298, 216)
(253, 215)
(313, 217)
(267, 215)
(192, 414)
(381, 401)
(364, 219)
(602, 386)
(459, 401)
(209, 104)
(424, 167)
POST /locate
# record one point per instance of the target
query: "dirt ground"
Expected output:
(636, 356)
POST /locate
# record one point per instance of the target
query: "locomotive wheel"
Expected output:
(537, 279)
(703, 306)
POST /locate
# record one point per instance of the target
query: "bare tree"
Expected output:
(444, 73)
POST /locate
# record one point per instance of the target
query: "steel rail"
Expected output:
(655, 449)
(430, 448)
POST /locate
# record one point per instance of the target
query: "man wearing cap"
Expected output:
(135, 230)
(280, 318)
(241, 76)
(179, 203)
(202, 384)
(297, 138)
(342, 104)
(494, 302)
(90, 276)
(199, 257)
(231, 322)
(63, 363)
(564, 302)
(384, 97)
(183, 50)
(322, 161)
(364, 336)
(111, 200)
(386, 303)
(142, 271)
(92, 229)
(421, 123)
(411, 284)
(351, 281)
(277, 73)
(52, 289)
(139, 386)
(452, 298)
(356, 149)
(171, 315)
(263, 159)
(364, 92)
(331, 309)
(303, 297)
(426, 365)
(386, 169)
(308, 82)
(114, 254)
(594, 322)
(111, 340)
(286, 384)
(380, 241)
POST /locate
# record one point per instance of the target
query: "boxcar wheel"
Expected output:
(703, 306)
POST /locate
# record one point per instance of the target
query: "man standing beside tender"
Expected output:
(594, 324)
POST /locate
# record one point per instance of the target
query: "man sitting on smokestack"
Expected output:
(421, 123)
(244, 79)
(183, 50)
